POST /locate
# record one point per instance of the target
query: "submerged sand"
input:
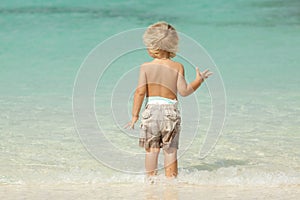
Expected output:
(145, 191)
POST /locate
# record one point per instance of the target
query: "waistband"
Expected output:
(160, 100)
(162, 106)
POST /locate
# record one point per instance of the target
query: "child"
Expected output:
(160, 80)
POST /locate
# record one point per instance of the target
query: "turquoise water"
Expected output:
(255, 45)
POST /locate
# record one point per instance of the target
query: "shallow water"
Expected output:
(165, 191)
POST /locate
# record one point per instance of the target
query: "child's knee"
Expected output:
(153, 150)
(170, 151)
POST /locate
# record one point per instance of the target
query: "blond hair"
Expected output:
(159, 37)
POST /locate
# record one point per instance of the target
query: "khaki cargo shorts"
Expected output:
(160, 126)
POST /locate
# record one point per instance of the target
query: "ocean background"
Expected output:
(255, 45)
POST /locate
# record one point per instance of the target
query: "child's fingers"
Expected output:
(125, 126)
(205, 71)
(128, 125)
(208, 74)
(205, 74)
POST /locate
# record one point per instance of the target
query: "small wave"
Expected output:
(230, 176)
(234, 176)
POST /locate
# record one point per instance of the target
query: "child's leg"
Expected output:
(151, 161)
(171, 162)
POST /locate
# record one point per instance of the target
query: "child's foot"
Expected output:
(151, 179)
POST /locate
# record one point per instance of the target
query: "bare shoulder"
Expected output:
(178, 66)
(145, 64)
(142, 66)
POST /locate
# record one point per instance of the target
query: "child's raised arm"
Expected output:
(185, 89)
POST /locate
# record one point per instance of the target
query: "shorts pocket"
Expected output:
(146, 114)
(172, 114)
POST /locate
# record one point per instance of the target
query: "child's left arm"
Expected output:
(138, 99)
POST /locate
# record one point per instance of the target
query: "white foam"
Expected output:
(230, 176)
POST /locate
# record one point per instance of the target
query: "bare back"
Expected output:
(160, 78)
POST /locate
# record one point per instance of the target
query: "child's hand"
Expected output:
(130, 125)
(202, 75)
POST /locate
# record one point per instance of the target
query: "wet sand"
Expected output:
(144, 191)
